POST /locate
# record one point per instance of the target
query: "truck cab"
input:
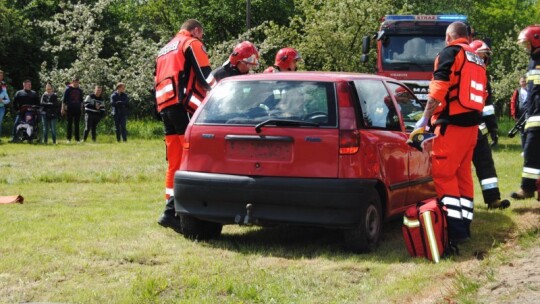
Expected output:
(407, 46)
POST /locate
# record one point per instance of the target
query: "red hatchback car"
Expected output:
(307, 149)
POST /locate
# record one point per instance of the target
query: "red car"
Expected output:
(307, 149)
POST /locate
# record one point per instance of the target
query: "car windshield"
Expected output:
(254, 102)
(411, 53)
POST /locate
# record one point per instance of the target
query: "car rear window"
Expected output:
(252, 102)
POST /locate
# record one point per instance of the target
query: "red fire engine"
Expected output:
(407, 46)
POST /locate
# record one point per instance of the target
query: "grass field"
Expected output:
(87, 233)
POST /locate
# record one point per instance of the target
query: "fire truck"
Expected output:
(407, 46)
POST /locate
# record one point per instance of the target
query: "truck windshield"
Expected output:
(411, 53)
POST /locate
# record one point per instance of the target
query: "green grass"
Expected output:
(87, 233)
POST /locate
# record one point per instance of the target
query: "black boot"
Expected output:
(169, 219)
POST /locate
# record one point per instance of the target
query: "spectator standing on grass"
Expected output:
(518, 104)
(4, 100)
(94, 109)
(24, 97)
(72, 104)
(51, 111)
(119, 104)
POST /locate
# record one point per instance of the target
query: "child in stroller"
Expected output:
(27, 127)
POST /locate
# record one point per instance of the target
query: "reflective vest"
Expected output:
(467, 92)
(171, 85)
(470, 87)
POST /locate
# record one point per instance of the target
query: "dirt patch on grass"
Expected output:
(517, 279)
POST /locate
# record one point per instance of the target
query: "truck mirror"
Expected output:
(365, 44)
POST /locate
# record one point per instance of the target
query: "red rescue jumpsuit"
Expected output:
(182, 67)
(459, 83)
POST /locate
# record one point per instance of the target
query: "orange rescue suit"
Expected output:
(172, 86)
(459, 84)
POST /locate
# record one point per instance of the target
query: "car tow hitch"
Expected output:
(248, 219)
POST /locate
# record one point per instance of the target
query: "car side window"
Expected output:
(408, 105)
(377, 106)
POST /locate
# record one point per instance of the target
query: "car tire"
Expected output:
(196, 229)
(365, 236)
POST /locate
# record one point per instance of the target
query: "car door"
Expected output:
(410, 111)
(383, 129)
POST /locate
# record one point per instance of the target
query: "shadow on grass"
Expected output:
(525, 210)
(489, 230)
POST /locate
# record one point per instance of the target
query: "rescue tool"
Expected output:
(418, 137)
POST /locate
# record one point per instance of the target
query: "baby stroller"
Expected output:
(27, 128)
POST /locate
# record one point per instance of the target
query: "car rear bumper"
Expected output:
(324, 202)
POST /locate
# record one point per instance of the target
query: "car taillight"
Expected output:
(349, 141)
(185, 144)
(349, 138)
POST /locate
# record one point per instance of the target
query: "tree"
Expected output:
(77, 43)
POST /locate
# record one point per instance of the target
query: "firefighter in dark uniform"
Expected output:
(243, 58)
(482, 157)
(454, 106)
(530, 39)
(182, 67)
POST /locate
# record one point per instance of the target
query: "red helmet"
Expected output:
(530, 36)
(285, 56)
(246, 52)
(480, 46)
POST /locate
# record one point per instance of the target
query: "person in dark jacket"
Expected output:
(119, 104)
(72, 103)
(529, 37)
(51, 111)
(23, 97)
(482, 156)
(94, 108)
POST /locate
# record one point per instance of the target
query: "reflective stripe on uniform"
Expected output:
(477, 98)
(488, 110)
(450, 201)
(165, 89)
(195, 101)
(466, 203)
(531, 173)
(489, 183)
(483, 128)
(454, 213)
(211, 80)
(467, 215)
(410, 223)
(533, 121)
(431, 237)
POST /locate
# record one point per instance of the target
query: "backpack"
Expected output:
(425, 230)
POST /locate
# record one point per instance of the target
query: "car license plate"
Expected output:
(259, 150)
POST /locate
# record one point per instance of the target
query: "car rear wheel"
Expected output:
(365, 236)
(194, 228)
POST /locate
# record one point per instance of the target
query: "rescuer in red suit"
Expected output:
(454, 107)
(182, 67)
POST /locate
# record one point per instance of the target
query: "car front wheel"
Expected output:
(365, 236)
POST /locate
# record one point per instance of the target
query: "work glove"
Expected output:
(421, 123)
(494, 138)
